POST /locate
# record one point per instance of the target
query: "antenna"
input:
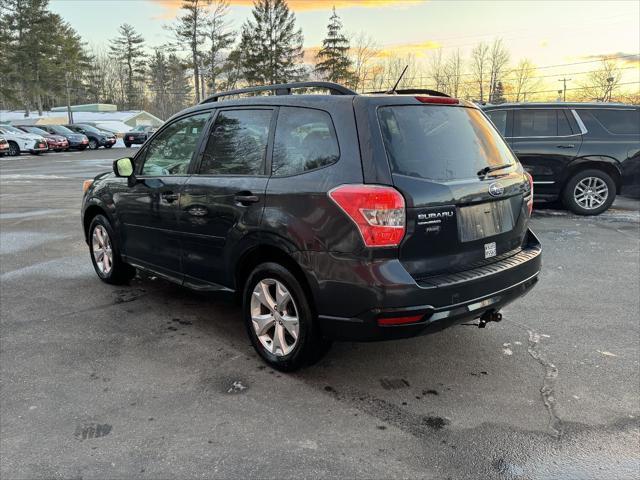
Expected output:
(398, 82)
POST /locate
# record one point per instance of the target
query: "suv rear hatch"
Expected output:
(460, 215)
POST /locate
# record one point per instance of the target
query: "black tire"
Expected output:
(14, 149)
(93, 145)
(126, 144)
(310, 345)
(82, 149)
(569, 199)
(120, 272)
(108, 146)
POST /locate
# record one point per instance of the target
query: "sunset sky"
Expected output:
(548, 33)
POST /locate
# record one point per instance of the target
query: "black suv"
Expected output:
(342, 216)
(97, 138)
(581, 153)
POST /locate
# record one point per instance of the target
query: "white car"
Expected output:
(20, 141)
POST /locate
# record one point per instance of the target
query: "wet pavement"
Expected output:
(152, 380)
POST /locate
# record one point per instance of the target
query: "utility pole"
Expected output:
(564, 87)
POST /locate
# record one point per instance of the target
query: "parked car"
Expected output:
(344, 216)
(77, 141)
(57, 143)
(97, 138)
(4, 147)
(20, 141)
(581, 153)
(134, 138)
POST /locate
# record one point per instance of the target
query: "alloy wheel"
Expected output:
(101, 249)
(275, 317)
(591, 193)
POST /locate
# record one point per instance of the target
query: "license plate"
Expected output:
(485, 220)
(41, 145)
(489, 250)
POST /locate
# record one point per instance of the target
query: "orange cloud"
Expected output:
(417, 49)
(302, 5)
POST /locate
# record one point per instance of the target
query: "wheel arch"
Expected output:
(270, 252)
(606, 164)
(92, 209)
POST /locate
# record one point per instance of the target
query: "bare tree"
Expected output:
(498, 60)
(436, 71)
(600, 84)
(452, 73)
(523, 82)
(363, 50)
(479, 61)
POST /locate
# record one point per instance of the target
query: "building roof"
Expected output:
(88, 107)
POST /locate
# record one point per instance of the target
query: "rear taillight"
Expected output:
(378, 212)
(440, 100)
(530, 198)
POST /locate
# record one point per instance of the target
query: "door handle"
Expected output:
(169, 197)
(571, 145)
(246, 198)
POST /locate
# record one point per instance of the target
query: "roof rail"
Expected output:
(416, 91)
(283, 89)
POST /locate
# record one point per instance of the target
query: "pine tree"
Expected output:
(190, 32)
(334, 63)
(271, 45)
(179, 87)
(128, 50)
(498, 93)
(220, 39)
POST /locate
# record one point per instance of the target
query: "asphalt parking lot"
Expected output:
(154, 381)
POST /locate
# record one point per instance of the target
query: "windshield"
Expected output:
(90, 128)
(9, 128)
(441, 143)
(61, 130)
(36, 130)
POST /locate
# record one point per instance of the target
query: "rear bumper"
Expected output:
(439, 301)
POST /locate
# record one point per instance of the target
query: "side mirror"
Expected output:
(123, 167)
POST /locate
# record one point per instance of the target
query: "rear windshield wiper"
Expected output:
(486, 170)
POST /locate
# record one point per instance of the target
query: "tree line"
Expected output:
(45, 63)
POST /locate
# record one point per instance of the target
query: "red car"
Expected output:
(57, 143)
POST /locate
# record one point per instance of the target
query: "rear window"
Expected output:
(441, 143)
(621, 122)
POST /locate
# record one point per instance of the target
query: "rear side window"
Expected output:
(536, 123)
(305, 140)
(621, 122)
(237, 144)
(499, 119)
(441, 143)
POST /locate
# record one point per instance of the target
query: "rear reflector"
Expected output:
(378, 212)
(399, 320)
(440, 100)
(530, 201)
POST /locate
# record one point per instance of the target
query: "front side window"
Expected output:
(171, 151)
(536, 123)
(305, 140)
(238, 143)
(499, 119)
